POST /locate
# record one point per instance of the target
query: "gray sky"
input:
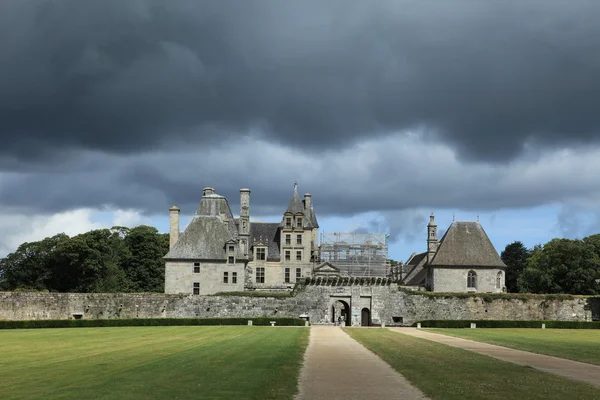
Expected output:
(387, 106)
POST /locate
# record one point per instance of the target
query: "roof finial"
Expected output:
(295, 186)
(453, 217)
(477, 217)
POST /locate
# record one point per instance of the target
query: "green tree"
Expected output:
(30, 266)
(90, 262)
(515, 256)
(145, 267)
(562, 266)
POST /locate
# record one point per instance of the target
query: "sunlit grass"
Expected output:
(151, 363)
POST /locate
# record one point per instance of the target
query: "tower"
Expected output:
(244, 227)
(432, 239)
(173, 225)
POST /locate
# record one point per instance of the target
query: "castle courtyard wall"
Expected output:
(387, 304)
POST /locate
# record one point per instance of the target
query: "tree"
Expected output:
(515, 256)
(29, 267)
(145, 267)
(562, 266)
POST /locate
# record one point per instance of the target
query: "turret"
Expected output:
(173, 225)
(432, 239)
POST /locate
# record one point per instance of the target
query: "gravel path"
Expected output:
(574, 370)
(338, 367)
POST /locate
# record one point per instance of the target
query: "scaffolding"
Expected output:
(356, 254)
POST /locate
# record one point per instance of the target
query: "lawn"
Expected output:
(444, 372)
(574, 344)
(186, 362)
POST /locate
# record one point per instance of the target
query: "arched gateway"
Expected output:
(340, 311)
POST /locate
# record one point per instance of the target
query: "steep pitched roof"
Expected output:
(465, 244)
(266, 233)
(208, 232)
(296, 205)
(415, 269)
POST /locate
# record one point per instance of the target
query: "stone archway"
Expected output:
(365, 317)
(340, 309)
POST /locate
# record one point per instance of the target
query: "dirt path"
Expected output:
(574, 370)
(338, 367)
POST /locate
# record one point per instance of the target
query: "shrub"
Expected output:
(509, 324)
(92, 323)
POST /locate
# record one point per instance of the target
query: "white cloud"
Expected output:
(17, 228)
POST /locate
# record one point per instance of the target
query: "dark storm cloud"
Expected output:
(130, 76)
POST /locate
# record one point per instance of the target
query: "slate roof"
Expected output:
(415, 269)
(268, 234)
(298, 205)
(205, 237)
(465, 244)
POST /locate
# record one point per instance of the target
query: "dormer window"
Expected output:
(261, 253)
(299, 222)
(288, 222)
(231, 249)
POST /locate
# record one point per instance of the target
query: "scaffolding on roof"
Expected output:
(356, 254)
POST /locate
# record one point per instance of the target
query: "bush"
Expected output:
(254, 293)
(92, 323)
(509, 324)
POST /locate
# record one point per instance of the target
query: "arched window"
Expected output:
(472, 280)
(499, 280)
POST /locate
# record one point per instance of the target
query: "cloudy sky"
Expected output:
(112, 111)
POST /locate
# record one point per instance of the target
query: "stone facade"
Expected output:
(220, 253)
(380, 302)
(482, 280)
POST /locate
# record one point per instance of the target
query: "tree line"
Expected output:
(570, 266)
(102, 260)
(131, 260)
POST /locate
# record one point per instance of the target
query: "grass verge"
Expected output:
(579, 345)
(151, 363)
(447, 373)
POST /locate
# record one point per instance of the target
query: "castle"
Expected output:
(220, 253)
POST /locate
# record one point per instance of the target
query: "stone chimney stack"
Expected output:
(173, 225)
(244, 228)
(432, 239)
(307, 201)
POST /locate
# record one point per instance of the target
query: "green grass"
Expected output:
(151, 363)
(574, 344)
(448, 373)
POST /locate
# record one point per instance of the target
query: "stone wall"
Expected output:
(386, 303)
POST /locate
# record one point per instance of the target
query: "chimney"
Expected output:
(432, 239)
(244, 227)
(307, 203)
(208, 191)
(173, 225)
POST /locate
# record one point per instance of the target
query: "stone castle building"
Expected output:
(220, 253)
(464, 260)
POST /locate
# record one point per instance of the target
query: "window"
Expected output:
(196, 268)
(472, 280)
(260, 275)
(231, 249)
(234, 277)
(298, 273)
(288, 239)
(287, 255)
(225, 277)
(499, 280)
(287, 275)
(288, 222)
(260, 253)
(196, 288)
(299, 222)
(230, 260)
(299, 256)
(298, 239)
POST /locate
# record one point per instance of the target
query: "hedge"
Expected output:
(509, 324)
(89, 323)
